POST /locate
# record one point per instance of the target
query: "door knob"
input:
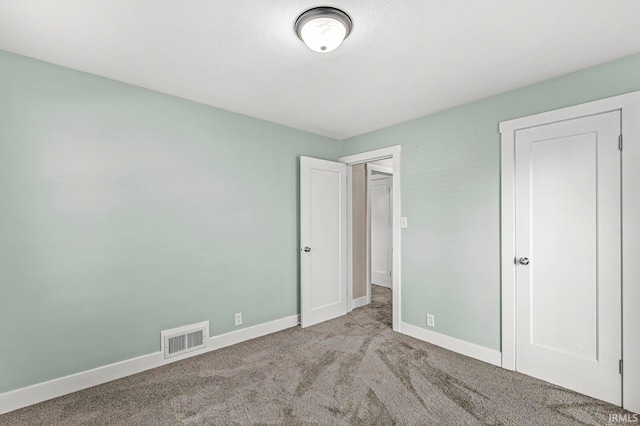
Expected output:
(524, 261)
(307, 249)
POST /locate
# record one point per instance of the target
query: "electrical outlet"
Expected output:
(431, 320)
(403, 222)
(239, 318)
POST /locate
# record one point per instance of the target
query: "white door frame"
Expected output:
(368, 173)
(392, 152)
(629, 105)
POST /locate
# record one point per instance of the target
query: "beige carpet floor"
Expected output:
(353, 370)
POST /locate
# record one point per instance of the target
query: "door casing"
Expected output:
(629, 105)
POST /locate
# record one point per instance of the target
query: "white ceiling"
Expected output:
(404, 58)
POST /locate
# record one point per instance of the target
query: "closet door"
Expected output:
(568, 279)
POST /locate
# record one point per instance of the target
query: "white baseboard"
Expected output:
(472, 350)
(19, 398)
(244, 334)
(360, 301)
(383, 286)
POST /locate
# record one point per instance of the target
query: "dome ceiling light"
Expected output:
(323, 29)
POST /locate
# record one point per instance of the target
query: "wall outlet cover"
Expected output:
(403, 222)
(238, 318)
(431, 320)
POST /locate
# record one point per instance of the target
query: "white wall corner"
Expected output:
(631, 252)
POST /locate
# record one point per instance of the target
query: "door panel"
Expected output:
(380, 194)
(568, 226)
(563, 179)
(323, 215)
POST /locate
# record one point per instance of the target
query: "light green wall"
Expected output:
(125, 212)
(451, 196)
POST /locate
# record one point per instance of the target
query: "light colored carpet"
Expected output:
(351, 370)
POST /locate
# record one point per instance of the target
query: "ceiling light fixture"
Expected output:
(323, 29)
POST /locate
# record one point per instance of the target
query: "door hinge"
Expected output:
(620, 142)
(620, 366)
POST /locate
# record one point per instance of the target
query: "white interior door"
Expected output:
(568, 279)
(323, 240)
(379, 183)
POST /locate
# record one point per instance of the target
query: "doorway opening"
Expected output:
(371, 232)
(373, 221)
(326, 237)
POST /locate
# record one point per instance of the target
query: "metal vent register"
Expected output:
(185, 339)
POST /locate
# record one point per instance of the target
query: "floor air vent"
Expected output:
(185, 339)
